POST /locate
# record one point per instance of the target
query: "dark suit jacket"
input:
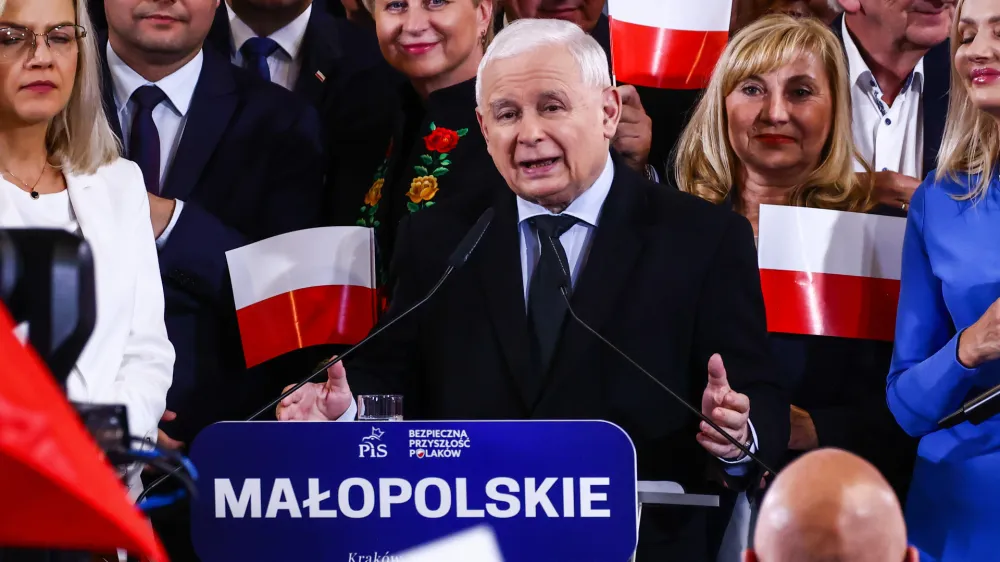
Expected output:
(669, 278)
(356, 99)
(436, 143)
(669, 110)
(249, 166)
(937, 79)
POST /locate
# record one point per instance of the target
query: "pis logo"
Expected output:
(370, 449)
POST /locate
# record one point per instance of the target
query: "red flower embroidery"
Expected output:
(441, 140)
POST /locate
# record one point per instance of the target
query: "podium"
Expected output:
(549, 490)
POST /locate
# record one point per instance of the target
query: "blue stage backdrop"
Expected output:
(359, 492)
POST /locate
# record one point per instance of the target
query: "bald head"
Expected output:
(830, 506)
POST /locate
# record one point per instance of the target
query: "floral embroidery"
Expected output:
(424, 187)
(441, 140)
(374, 194)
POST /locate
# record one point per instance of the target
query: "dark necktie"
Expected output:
(255, 52)
(546, 307)
(144, 138)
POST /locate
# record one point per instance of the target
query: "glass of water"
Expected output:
(380, 407)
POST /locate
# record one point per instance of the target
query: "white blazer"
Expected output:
(128, 359)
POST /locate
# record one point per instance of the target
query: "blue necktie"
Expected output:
(255, 52)
(144, 138)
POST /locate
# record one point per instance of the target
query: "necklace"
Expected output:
(34, 194)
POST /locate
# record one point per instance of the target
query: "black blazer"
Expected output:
(669, 278)
(669, 110)
(355, 98)
(937, 80)
(249, 166)
(436, 153)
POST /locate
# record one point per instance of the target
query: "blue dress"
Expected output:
(950, 276)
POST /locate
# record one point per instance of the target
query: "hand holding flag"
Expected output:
(634, 136)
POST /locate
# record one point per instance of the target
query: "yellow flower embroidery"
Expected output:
(374, 194)
(422, 189)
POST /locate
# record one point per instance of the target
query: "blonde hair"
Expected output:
(79, 137)
(705, 163)
(971, 141)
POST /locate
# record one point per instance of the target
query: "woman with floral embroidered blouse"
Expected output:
(437, 152)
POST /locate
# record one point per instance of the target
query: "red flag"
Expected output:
(671, 44)
(830, 273)
(58, 492)
(304, 288)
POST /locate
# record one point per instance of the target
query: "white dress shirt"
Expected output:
(576, 242)
(286, 62)
(889, 138)
(170, 116)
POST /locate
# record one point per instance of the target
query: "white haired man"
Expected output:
(671, 279)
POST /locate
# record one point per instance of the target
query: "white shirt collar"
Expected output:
(858, 69)
(586, 207)
(179, 86)
(289, 38)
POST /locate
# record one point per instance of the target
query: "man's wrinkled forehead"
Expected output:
(530, 76)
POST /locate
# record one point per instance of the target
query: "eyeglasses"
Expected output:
(17, 42)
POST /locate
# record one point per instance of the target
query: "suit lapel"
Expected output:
(937, 77)
(92, 209)
(321, 50)
(614, 254)
(503, 288)
(212, 106)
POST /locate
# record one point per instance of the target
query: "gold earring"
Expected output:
(482, 40)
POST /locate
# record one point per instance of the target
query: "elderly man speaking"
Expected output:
(670, 279)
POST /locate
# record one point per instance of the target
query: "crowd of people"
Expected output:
(230, 122)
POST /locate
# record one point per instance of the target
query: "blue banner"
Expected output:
(359, 492)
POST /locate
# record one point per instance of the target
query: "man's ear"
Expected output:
(912, 554)
(850, 6)
(483, 127)
(611, 106)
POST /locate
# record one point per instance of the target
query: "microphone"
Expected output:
(977, 410)
(564, 289)
(455, 261)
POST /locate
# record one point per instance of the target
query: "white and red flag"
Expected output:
(830, 273)
(304, 288)
(671, 44)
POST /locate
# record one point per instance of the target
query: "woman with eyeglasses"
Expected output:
(60, 169)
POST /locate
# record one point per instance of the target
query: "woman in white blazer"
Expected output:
(60, 168)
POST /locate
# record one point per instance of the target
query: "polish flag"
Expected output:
(830, 273)
(304, 288)
(671, 44)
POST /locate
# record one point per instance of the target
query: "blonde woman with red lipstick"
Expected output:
(774, 127)
(948, 326)
(437, 152)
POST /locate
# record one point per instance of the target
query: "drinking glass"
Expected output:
(380, 407)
